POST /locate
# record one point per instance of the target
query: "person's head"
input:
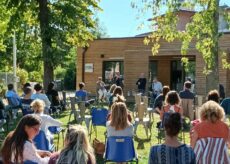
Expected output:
(172, 124)
(77, 147)
(10, 87)
(214, 96)
(81, 85)
(211, 111)
(26, 85)
(187, 85)
(119, 98)
(38, 106)
(118, 91)
(28, 91)
(142, 75)
(99, 78)
(50, 86)
(172, 98)
(165, 90)
(155, 79)
(119, 116)
(112, 88)
(37, 87)
(27, 128)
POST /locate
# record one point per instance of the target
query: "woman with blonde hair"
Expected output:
(38, 107)
(77, 149)
(211, 125)
(119, 124)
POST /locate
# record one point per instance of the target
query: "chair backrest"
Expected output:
(41, 142)
(186, 104)
(72, 103)
(55, 129)
(26, 109)
(146, 101)
(211, 151)
(141, 109)
(137, 99)
(99, 116)
(120, 149)
(29, 162)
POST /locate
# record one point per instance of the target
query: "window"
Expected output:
(110, 68)
(152, 70)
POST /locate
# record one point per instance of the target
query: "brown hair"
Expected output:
(165, 90)
(188, 84)
(172, 98)
(119, 116)
(173, 124)
(81, 85)
(211, 111)
(118, 91)
(214, 96)
(112, 88)
(15, 140)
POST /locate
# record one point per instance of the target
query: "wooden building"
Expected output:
(131, 57)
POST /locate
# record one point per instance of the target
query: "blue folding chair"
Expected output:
(42, 143)
(57, 130)
(99, 118)
(29, 162)
(120, 149)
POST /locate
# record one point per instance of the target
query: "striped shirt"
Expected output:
(163, 154)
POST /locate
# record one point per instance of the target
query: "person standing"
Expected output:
(101, 91)
(118, 79)
(141, 83)
(156, 87)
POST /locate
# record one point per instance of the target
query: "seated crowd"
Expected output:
(18, 146)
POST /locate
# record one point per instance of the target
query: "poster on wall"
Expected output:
(88, 67)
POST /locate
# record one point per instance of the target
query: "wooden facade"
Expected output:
(136, 58)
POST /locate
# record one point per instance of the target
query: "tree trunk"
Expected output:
(46, 42)
(212, 80)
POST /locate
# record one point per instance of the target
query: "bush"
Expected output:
(35, 76)
(70, 78)
(23, 75)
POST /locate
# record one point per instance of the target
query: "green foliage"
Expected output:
(35, 76)
(48, 31)
(23, 75)
(70, 78)
(59, 72)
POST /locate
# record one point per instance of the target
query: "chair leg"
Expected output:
(90, 133)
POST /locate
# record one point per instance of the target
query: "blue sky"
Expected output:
(120, 19)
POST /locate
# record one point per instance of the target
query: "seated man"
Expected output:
(187, 98)
(13, 100)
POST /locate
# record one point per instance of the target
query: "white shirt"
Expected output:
(157, 87)
(30, 153)
(47, 121)
(41, 97)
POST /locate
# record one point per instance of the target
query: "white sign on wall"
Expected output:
(88, 67)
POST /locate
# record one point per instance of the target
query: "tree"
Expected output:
(203, 30)
(60, 24)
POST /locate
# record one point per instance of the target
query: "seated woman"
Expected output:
(46, 120)
(18, 145)
(172, 101)
(119, 124)
(77, 148)
(172, 151)
(159, 101)
(116, 92)
(211, 125)
(214, 96)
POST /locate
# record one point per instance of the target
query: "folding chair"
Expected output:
(211, 151)
(120, 149)
(57, 130)
(42, 143)
(141, 119)
(29, 162)
(13, 107)
(99, 118)
(73, 111)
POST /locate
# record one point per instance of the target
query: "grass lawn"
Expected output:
(142, 143)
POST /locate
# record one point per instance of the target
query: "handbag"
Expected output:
(99, 147)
